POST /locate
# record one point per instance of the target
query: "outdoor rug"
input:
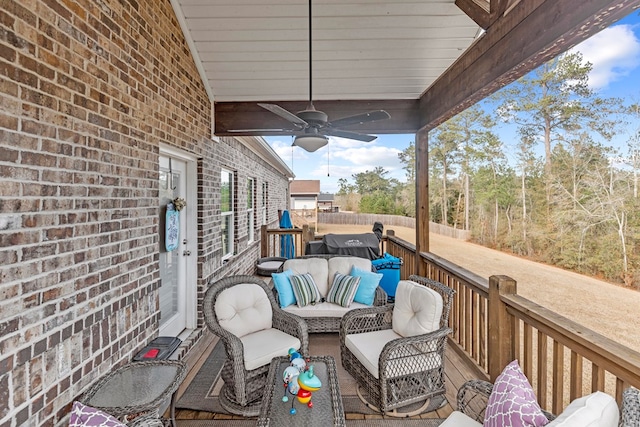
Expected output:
(350, 423)
(202, 393)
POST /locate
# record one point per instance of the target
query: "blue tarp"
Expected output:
(287, 248)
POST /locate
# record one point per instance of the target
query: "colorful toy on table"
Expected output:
(299, 380)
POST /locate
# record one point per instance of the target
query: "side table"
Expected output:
(137, 387)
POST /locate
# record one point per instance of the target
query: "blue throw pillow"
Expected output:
(369, 281)
(283, 285)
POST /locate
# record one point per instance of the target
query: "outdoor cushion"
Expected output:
(344, 264)
(262, 346)
(417, 309)
(317, 267)
(369, 281)
(324, 309)
(86, 416)
(243, 309)
(594, 410)
(305, 289)
(343, 289)
(458, 419)
(512, 401)
(367, 347)
(283, 285)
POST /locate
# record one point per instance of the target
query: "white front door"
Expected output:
(175, 255)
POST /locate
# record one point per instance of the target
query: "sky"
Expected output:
(614, 53)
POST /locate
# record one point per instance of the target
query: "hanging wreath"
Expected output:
(179, 203)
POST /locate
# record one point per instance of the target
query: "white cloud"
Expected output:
(614, 53)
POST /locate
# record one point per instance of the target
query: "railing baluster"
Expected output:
(558, 377)
(575, 389)
(542, 369)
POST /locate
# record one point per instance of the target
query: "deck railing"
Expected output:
(270, 240)
(493, 325)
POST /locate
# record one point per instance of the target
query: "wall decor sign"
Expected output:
(172, 232)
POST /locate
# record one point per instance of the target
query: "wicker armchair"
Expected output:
(473, 396)
(249, 300)
(409, 372)
(630, 412)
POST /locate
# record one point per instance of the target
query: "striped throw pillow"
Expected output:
(305, 289)
(343, 289)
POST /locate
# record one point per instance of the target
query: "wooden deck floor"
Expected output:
(458, 369)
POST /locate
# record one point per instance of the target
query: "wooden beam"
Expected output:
(532, 33)
(230, 116)
(476, 10)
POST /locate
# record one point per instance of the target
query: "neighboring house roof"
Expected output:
(304, 186)
(325, 197)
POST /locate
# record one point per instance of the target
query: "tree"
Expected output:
(442, 153)
(407, 191)
(555, 101)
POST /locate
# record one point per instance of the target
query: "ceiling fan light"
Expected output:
(310, 143)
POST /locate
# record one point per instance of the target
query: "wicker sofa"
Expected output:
(596, 409)
(326, 316)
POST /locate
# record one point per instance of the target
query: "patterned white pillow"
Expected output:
(512, 402)
(86, 416)
(343, 289)
(305, 289)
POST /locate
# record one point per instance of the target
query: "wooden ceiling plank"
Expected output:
(534, 32)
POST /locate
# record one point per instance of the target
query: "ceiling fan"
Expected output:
(312, 127)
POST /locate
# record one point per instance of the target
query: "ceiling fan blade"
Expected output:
(276, 109)
(349, 135)
(371, 116)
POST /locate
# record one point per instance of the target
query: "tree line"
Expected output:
(560, 186)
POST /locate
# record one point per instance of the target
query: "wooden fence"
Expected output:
(389, 221)
(493, 325)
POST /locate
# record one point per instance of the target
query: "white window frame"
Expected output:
(251, 202)
(265, 187)
(227, 216)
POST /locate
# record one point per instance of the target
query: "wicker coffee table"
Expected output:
(327, 402)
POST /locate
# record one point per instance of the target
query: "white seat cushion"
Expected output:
(243, 309)
(324, 309)
(366, 347)
(262, 346)
(317, 267)
(458, 419)
(594, 410)
(417, 309)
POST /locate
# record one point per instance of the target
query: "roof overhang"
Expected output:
(422, 61)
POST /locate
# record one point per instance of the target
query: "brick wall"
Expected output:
(89, 89)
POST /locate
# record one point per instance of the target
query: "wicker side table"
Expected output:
(327, 402)
(138, 387)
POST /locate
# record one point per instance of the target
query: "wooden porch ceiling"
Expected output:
(373, 68)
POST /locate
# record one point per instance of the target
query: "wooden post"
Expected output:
(422, 199)
(501, 339)
(306, 237)
(390, 233)
(264, 243)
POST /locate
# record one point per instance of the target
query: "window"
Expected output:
(265, 187)
(226, 212)
(251, 223)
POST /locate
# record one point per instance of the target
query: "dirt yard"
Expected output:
(603, 307)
